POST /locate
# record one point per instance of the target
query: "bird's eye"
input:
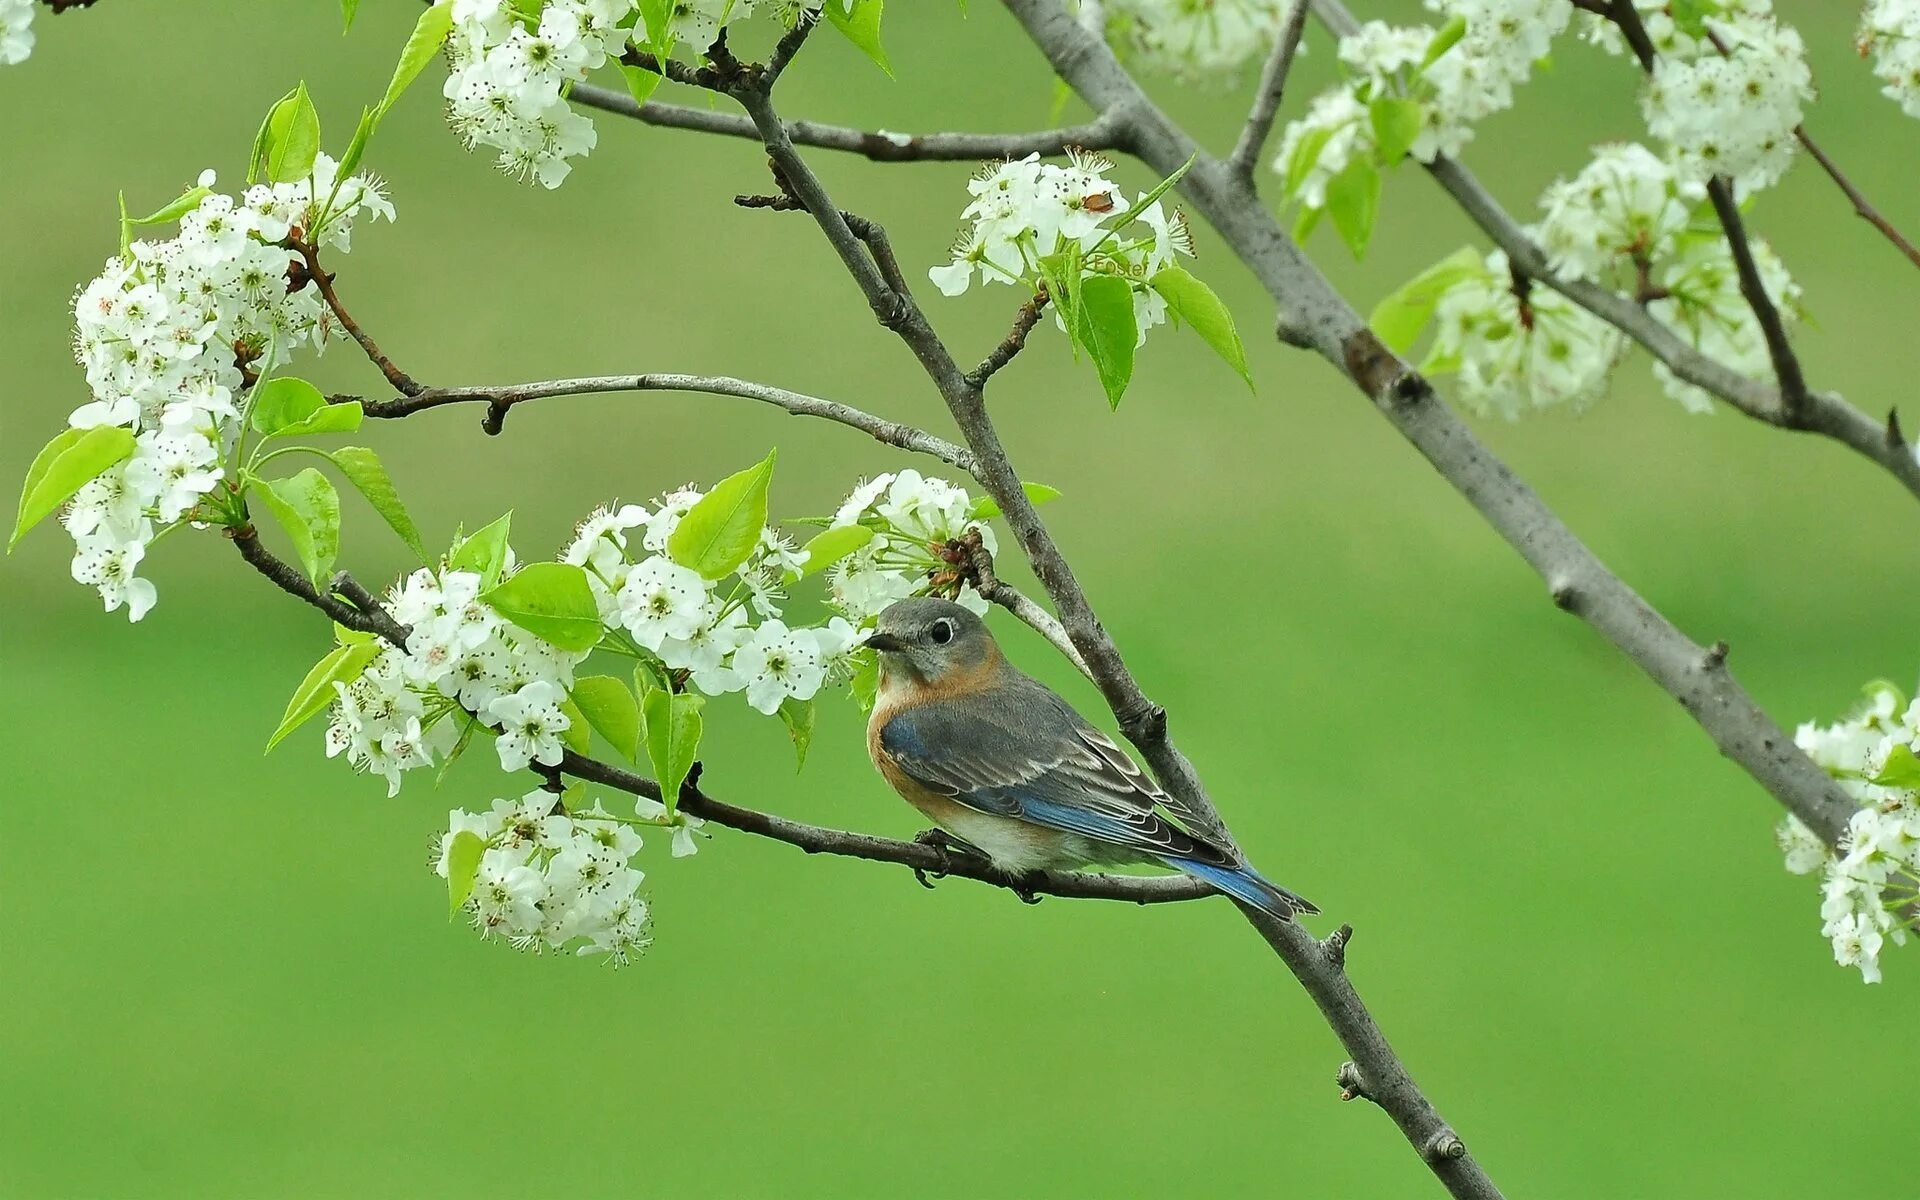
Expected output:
(942, 632)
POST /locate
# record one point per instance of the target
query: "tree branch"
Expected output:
(1786, 366)
(1106, 133)
(368, 615)
(310, 256)
(1861, 207)
(1273, 84)
(499, 399)
(1577, 580)
(1822, 412)
(1016, 340)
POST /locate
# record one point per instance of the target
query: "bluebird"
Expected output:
(1001, 763)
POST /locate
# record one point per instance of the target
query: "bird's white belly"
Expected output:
(1015, 846)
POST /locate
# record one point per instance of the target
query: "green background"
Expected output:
(230, 975)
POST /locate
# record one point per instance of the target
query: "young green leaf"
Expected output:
(656, 17)
(363, 470)
(1396, 123)
(1448, 36)
(672, 734)
(797, 716)
(1105, 327)
(1400, 317)
(1156, 191)
(344, 417)
(578, 735)
(986, 508)
(830, 546)
(463, 867)
(609, 706)
(865, 682)
(429, 34)
(1304, 221)
(641, 83)
(342, 665)
(293, 139)
(650, 675)
(356, 147)
(1901, 770)
(1306, 152)
(256, 162)
(63, 466)
(348, 10)
(1353, 201)
(861, 27)
(484, 552)
(176, 208)
(551, 600)
(720, 532)
(283, 403)
(308, 508)
(1194, 302)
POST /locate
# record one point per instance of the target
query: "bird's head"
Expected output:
(929, 639)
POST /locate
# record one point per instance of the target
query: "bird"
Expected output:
(1003, 764)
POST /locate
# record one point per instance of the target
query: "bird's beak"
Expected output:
(883, 642)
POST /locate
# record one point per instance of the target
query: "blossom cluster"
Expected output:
(1889, 32)
(1629, 221)
(910, 515)
(463, 665)
(549, 878)
(1027, 212)
(1202, 41)
(170, 335)
(1728, 102)
(1453, 85)
(1867, 880)
(511, 66)
(16, 31)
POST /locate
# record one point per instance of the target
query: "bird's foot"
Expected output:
(946, 846)
(1023, 887)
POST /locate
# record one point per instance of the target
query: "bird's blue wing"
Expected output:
(1020, 751)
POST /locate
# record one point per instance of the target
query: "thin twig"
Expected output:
(788, 46)
(1016, 340)
(309, 254)
(499, 399)
(1273, 85)
(1861, 206)
(879, 146)
(975, 563)
(1786, 365)
(288, 579)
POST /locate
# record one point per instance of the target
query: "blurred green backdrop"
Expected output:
(229, 975)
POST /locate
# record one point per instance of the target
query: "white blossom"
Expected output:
(1890, 34)
(16, 31)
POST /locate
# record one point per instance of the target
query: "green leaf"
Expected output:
(650, 675)
(829, 547)
(63, 466)
(672, 734)
(256, 161)
(463, 867)
(1105, 327)
(344, 417)
(656, 17)
(1400, 317)
(865, 682)
(1396, 123)
(470, 727)
(551, 600)
(176, 208)
(720, 532)
(609, 706)
(342, 665)
(797, 716)
(578, 735)
(1870, 695)
(348, 10)
(289, 141)
(308, 508)
(986, 508)
(351, 637)
(484, 552)
(1304, 221)
(1690, 16)
(357, 147)
(429, 33)
(1306, 152)
(1194, 302)
(1353, 201)
(1444, 40)
(283, 403)
(861, 27)
(641, 83)
(1901, 770)
(364, 471)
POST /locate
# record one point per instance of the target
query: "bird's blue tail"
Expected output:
(1248, 885)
